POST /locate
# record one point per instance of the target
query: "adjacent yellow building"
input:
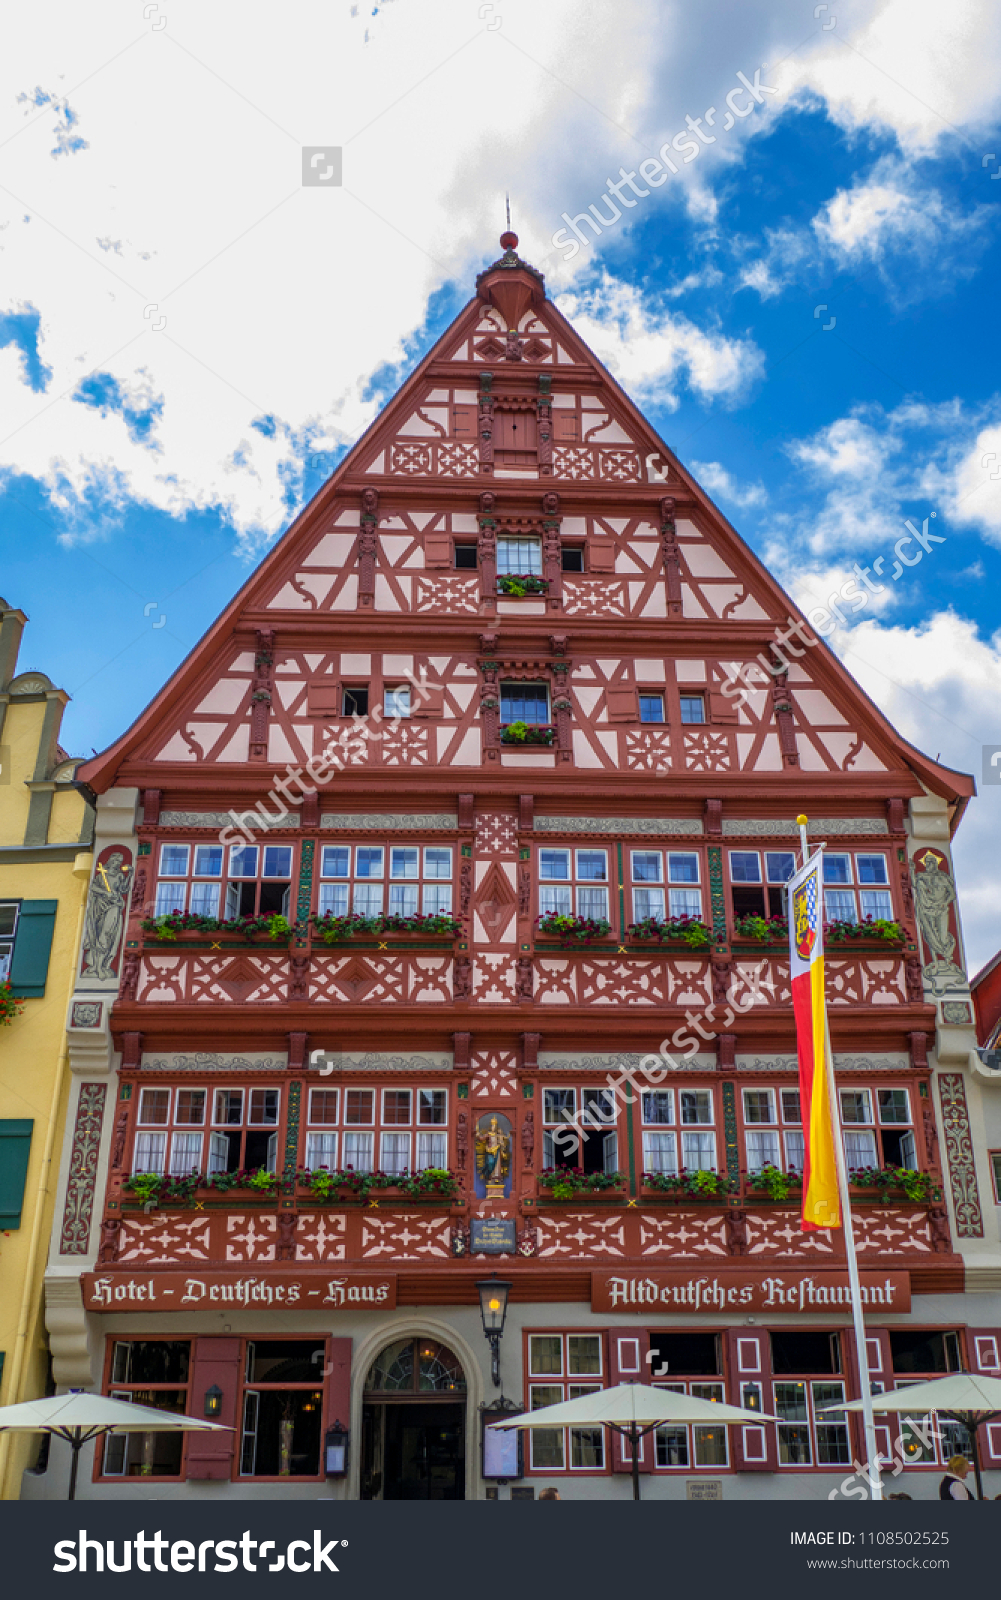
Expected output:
(46, 833)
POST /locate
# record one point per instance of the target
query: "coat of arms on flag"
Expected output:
(805, 916)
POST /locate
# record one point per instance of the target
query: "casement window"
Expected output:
(756, 878)
(698, 1143)
(184, 1130)
(396, 702)
(691, 1358)
(26, 928)
(564, 1367)
(595, 1144)
(152, 1373)
(693, 708)
(393, 1130)
(282, 1408)
(354, 700)
(8, 931)
(369, 879)
(918, 1355)
(245, 881)
(660, 1142)
(665, 883)
(994, 1157)
(651, 707)
(761, 1134)
(807, 1365)
(519, 558)
(853, 894)
(573, 882)
(524, 702)
(572, 558)
(466, 557)
(792, 1129)
(887, 1139)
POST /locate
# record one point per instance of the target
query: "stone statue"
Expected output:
(108, 1250)
(934, 894)
(493, 1157)
(462, 1140)
(941, 1239)
(528, 1139)
(286, 1235)
(106, 910)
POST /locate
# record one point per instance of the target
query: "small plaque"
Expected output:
(493, 1236)
(523, 1494)
(703, 1488)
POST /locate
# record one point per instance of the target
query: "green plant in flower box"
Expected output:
(661, 930)
(773, 1181)
(701, 1183)
(564, 1182)
(10, 1006)
(573, 930)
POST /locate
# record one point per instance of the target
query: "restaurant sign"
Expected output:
(733, 1290)
(202, 1291)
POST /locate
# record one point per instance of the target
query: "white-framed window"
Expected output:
(761, 1134)
(395, 1153)
(519, 557)
(698, 1446)
(569, 1366)
(174, 1134)
(806, 1435)
(396, 702)
(595, 1146)
(857, 1128)
(404, 880)
(857, 891)
(358, 1123)
(573, 882)
(665, 883)
(693, 708)
(9, 912)
(651, 706)
(660, 1147)
(524, 702)
(792, 1129)
(745, 866)
(756, 880)
(698, 1144)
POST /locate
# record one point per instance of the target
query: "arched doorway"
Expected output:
(414, 1423)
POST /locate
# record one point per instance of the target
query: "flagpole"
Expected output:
(862, 1352)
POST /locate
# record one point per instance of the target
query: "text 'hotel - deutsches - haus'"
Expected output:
(506, 991)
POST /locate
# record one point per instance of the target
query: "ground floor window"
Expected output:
(150, 1373)
(700, 1445)
(564, 1367)
(282, 1411)
(808, 1434)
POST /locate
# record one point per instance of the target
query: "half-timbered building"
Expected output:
(454, 946)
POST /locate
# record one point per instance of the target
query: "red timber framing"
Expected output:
(509, 547)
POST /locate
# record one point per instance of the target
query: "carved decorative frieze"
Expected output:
(785, 828)
(211, 821)
(625, 825)
(388, 821)
(213, 1061)
(959, 1156)
(78, 1210)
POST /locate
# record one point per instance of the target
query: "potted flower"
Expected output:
(428, 925)
(773, 1182)
(894, 1183)
(564, 1183)
(671, 930)
(525, 733)
(700, 1184)
(763, 930)
(10, 1005)
(187, 926)
(516, 585)
(154, 1188)
(873, 930)
(571, 931)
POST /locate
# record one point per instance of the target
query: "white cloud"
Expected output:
(940, 686)
(652, 352)
(712, 475)
(975, 486)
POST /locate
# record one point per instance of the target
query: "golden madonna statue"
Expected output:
(493, 1156)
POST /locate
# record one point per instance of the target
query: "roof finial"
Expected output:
(509, 240)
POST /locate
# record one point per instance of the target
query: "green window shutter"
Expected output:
(15, 1145)
(32, 943)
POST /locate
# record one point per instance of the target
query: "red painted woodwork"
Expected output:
(628, 1348)
(749, 1361)
(214, 1360)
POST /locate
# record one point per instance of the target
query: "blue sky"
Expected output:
(189, 340)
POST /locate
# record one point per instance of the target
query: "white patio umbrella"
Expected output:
(965, 1397)
(79, 1417)
(631, 1409)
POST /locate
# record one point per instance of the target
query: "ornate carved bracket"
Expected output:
(263, 688)
(671, 557)
(368, 546)
(485, 422)
(782, 706)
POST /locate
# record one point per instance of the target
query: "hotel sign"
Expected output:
(731, 1290)
(203, 1291)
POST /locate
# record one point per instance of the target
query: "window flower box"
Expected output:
(690, 931)
(436, 925)
(893, 1185)
(160, 1189)
(517, 585)
(568, 1183)
(770, 1183)
(685, 1186)
(188, 927)
(571, 931)
(524, 734)
(326, 1186)
(873, 931)
(762, 930)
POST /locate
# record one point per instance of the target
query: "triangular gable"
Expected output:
(426, 436)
